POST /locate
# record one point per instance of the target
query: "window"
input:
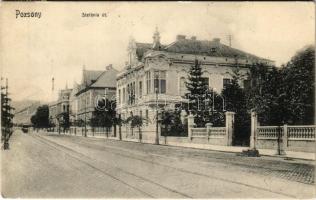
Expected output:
(131, 93)
(226, 81)
(140, 114)
(183, 88)
(148, 82)
(128, 94)
(147, 117)
(205, 80)
(140, 89)
(119, 96)
(124, 95)
(246, 84)
(160, 81)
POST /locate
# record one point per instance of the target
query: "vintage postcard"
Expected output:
(146, 100)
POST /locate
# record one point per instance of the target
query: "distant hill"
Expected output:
(20, 105)
(24, 110)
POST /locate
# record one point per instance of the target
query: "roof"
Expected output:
(208, 48)
(90, 76)
(212, 48)
(106, 79)
(96, 78)
(141, 48)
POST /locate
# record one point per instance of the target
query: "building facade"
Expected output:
(166, 68)
(73, 101)
(60, 106)
(94, 85)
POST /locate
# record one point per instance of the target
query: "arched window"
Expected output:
(183, 88)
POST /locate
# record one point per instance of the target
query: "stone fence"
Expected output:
(286, 138)
(212, 135)
(96, 131)
(206, 135)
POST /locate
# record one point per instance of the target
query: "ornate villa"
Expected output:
(165, 67)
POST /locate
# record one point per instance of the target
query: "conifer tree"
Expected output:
(198, 89)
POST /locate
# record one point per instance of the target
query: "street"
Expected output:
(62, 166)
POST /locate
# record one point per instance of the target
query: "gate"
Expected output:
(242, 129)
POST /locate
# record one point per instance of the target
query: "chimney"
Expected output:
(193, 38)
(180, 37)
(109, 67)
(217, 40)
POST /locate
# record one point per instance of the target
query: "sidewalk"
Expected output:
(234, 149)
(230, 149)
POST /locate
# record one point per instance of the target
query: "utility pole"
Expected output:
(157, 135)
(156, 91)
(6, 116)
(213, 106)
(85, 109)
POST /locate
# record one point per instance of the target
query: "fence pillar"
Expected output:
(190, 125)
(120, 132)
(253, 135)
(183, 116)
(208, 127)
(230, 117)
(285, 137)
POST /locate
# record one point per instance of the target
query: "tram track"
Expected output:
(66, 150)
(118, 151)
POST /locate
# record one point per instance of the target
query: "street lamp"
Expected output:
(213, 106)
(85, 115)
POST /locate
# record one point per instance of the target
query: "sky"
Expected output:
(61, 42)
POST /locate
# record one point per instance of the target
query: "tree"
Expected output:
(136, 121)
(105, 115)
(299, 87)
(197, 87)
(41, 118)
(264, 92)
(64, 120)
(235, 99)
(286, 94)
(172, 125)
(6, 116)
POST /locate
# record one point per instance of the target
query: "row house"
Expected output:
(154, 67)
(94, 84)
(60, 106)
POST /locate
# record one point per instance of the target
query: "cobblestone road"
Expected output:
(59, 166)
(294, 169)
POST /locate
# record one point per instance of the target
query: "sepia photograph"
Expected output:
(167, 100)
